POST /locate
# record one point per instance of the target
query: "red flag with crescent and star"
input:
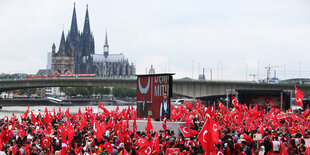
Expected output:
(165, 124)
(188, 104)
(299, 96)
(187, 132)
(103, 108)
(235, 103)
(67, 113)
(33, 118)
(156, 144)
(142, 142)
(107, 145)
(173, 151)
(46, 142)
(222, 106)
(209, 136)
(145, 150)
(149, 125)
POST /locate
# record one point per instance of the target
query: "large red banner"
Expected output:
(151, 90)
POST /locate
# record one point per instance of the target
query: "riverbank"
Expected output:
(44, 102)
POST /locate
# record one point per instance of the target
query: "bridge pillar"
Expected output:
(281, 101)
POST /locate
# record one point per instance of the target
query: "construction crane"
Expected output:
(268, 68)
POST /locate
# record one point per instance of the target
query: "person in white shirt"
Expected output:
(164, 107)
(276, 145)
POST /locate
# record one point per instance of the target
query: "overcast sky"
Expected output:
(231, 37)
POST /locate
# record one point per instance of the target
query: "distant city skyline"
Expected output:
(230, 37)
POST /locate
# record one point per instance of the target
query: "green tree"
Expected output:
(27, 91)
(84, 91)
(131, 92)
(102, 91)
(71, 91)
(124, 92)
(119, 92)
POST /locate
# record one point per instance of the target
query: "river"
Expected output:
(20, 110)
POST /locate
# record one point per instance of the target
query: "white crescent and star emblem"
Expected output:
(214, 127)
(233, 101)
(148, 150)
(174, 153)
(45, 141)
(140, 141)
(146, 89)
(185, 130)
(208, 115)
(204, 137)
(298, 100)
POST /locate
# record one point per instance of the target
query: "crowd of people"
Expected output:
(208, 130)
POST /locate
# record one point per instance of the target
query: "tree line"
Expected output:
(101, 91)
(86, 91)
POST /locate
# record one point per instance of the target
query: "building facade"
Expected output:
(76, 54)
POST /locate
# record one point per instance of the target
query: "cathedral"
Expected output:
(76, 54)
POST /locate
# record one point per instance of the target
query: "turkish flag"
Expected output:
(59, 113)
(209, 135)
(48, 129)
(107, 145)
(165, 124)
(83, 124)
(98, 130)
(241, 129)
(6, 135)
(26, 149)
(46, 118)
(299, 96)
(149, 125)
(141, 142)
(103, 108)
(135, 126)
(188, 104)
(79, 112)
(222, 106)
(156, 144)
(173, 112)
(33, 118)
(67, 113)
(172, 151)
(271, 104)
(145, 150)
(64, 146)
(198, 105)
(14, 150)
(283, 150)
(235, 103)
(26, 113)
(187, 132)
(46, 142)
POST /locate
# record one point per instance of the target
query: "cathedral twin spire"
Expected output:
(74, 27)
(75, 39)
(86, 29)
